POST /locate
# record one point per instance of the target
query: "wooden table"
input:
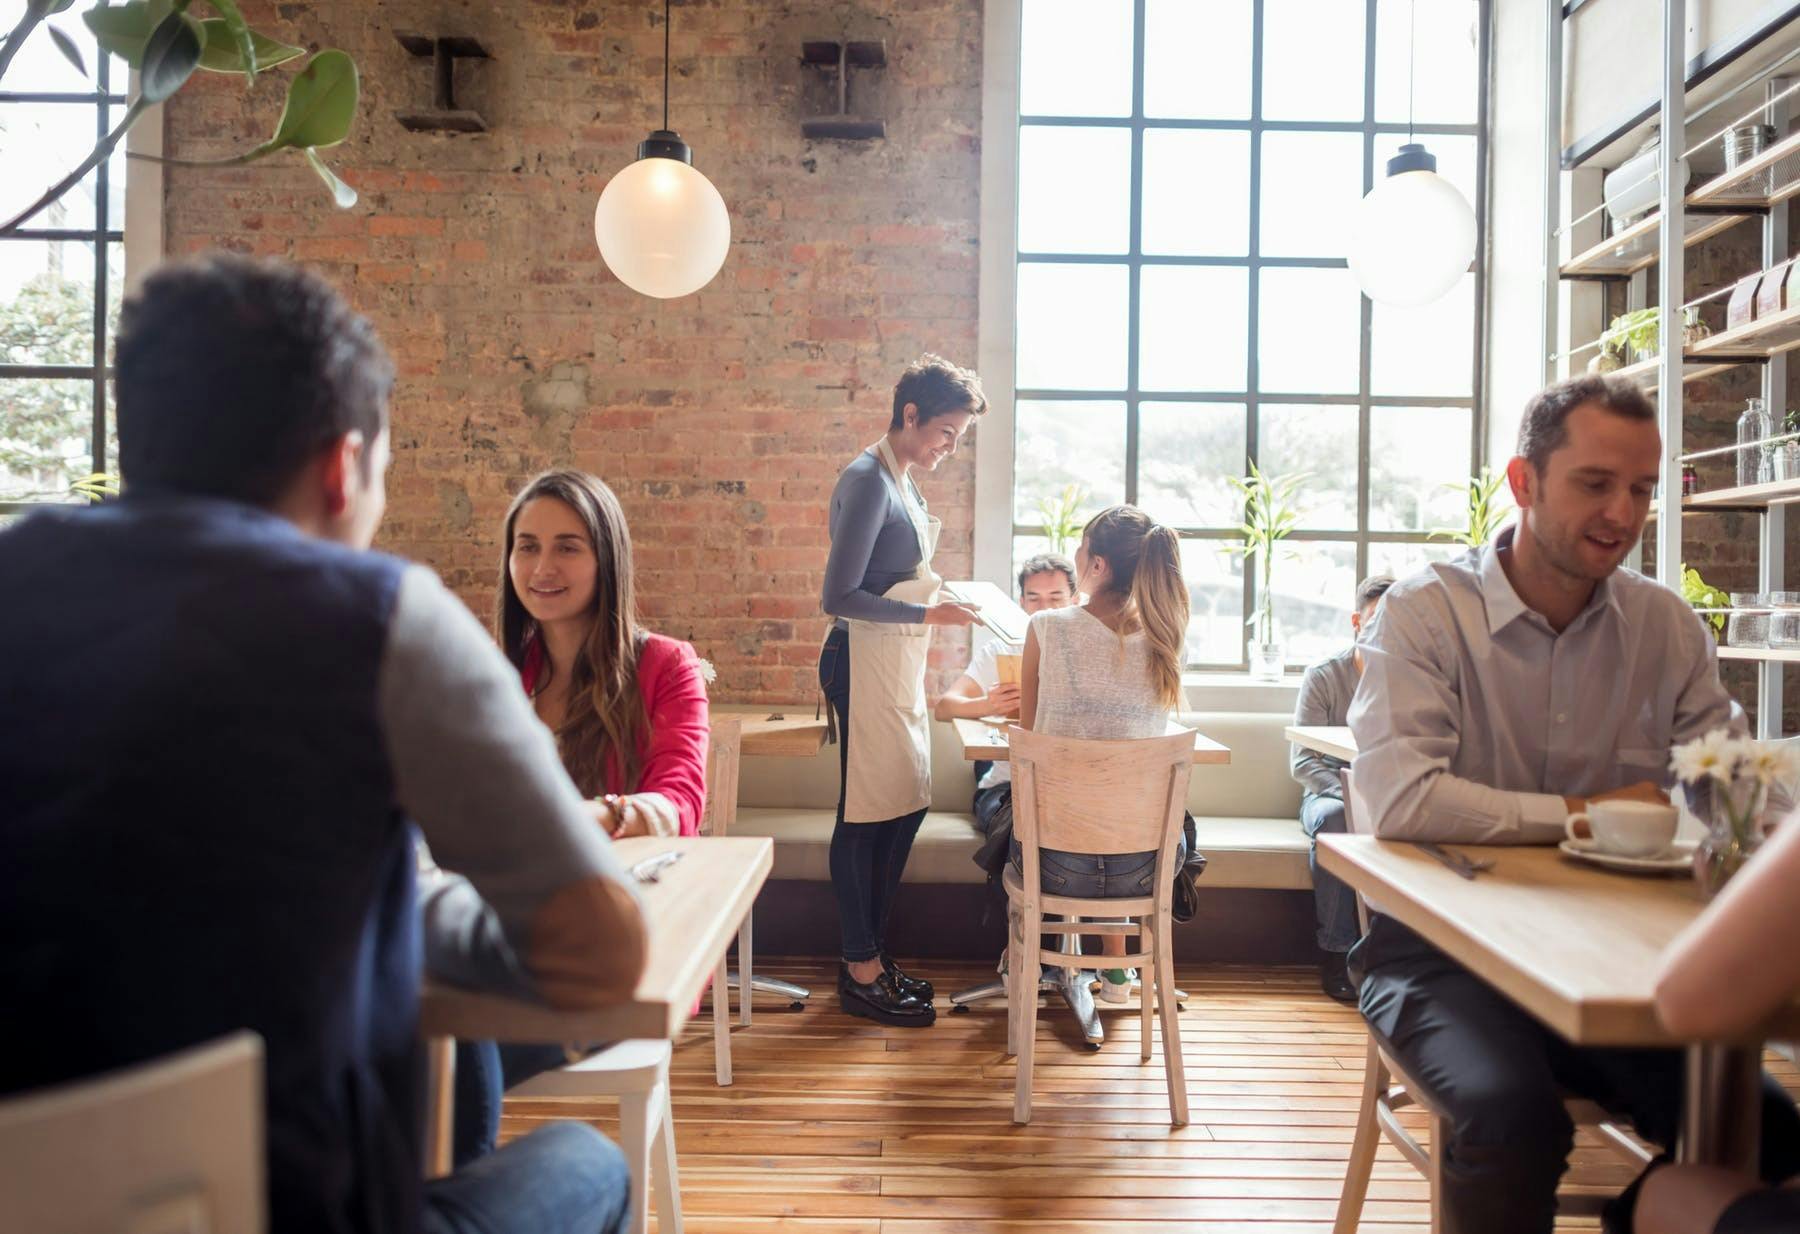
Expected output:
(984, 739)
(782, 736)
(1578, 948)
(692, 913)
(1334, 740)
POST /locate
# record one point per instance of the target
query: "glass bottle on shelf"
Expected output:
(1754, 462)
(1690, 480)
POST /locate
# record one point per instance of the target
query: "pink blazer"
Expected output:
(673, 755)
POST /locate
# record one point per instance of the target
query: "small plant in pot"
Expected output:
(1641, 331)
(1270, 516)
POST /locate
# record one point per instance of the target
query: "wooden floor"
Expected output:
(839, 1126)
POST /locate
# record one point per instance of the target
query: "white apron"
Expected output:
(889, 769)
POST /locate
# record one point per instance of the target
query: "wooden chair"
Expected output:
(1096, 797)
(172, 1144)
(1387, 1090)
(637, 1073)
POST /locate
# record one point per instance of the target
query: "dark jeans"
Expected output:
(867, 859)
(566, 1178)
(1762, 1212)
(484, 1071)
(1500, 1077)
(1333, 902)
(991, 804)
(1097, 876)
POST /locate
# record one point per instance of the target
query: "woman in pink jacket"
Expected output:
(628, 708)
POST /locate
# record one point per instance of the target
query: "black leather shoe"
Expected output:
(881, 1000)
(917, 987)
(1334, 978)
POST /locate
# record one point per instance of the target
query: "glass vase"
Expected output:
(1268, 657)
(1733, 817)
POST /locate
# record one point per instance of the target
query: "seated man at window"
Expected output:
(1325, 702)
(1046, 581)
(222, 712)
(1500, 693)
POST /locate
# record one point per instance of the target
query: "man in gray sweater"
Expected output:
(1325, 694)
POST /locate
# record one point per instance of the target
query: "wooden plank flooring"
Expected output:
(839, 1126)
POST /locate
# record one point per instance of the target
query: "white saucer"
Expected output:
(1678, 858)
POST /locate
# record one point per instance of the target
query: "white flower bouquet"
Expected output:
(1731, 776)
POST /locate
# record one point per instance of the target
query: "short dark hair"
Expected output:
(1044, 563)
(1545, 428)
(1372, 589)
(233, 374)
(938, 388)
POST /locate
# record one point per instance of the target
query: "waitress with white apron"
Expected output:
(880, 587)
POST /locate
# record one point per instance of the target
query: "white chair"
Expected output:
(637, 1073)
(1096, 797)
(175, 1144)
(1387, 1090)
(724, 749)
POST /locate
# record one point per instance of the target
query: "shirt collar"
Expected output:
(1503, 603)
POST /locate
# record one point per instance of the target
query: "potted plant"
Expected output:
(1787, 454)
(1641, 331)
(1270, 516)
(1708, 600)
(1062, 517)
(1728, 779)
(1487, 513)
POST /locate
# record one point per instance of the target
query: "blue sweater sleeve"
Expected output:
(859, 508)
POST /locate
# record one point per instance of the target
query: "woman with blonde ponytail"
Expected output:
(1110, 670)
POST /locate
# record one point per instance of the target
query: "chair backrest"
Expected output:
(724, 752)
(1100, 796)
(175, 1144)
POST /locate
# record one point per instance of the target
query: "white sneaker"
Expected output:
(1116, 991)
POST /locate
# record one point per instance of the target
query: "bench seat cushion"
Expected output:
(1261, 853)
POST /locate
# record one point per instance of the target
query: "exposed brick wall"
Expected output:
(1725, 547)
(721, 419)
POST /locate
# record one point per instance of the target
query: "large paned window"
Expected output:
(1186, 174)
(61, 276)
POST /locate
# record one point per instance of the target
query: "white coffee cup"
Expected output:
(1627, 828)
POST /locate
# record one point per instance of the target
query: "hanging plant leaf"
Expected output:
(342, 195)
(49, 8)
(124, 29)
(222, 55)
(169, 57)
(321, 103)
(66, 46)
(235, 26)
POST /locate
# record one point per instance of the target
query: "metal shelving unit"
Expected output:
(1759, 188)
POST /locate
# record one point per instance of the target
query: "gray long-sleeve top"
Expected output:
(1325, 694)
(873, 545)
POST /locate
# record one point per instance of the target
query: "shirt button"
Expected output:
(1561, 717)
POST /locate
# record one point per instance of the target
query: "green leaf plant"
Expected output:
(1270, 516)
(1701, 594)
(1062, 517)
(166, 44)
(1487, 512)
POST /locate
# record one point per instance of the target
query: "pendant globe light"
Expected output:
(1413, 236)
(661, 226)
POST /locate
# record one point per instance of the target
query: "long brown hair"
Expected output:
(1144, 560)
(605, 713)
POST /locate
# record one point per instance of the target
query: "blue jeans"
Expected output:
(1333, 902)
(1096, 876)
(867, 859)
(564, 1179)
(484, 1071)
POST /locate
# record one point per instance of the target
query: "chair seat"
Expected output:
(623, 1067)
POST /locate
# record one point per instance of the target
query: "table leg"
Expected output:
(440, 1105)
(1721, 1113)
(721, 1001)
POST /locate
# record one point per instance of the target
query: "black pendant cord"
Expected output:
(1412, 66)
(665, 64)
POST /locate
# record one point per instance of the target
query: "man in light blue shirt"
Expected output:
(1501, 692)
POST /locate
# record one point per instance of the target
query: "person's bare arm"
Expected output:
(965, 699)
(1729, 970)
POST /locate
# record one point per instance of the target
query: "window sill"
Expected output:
(1240, 692)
